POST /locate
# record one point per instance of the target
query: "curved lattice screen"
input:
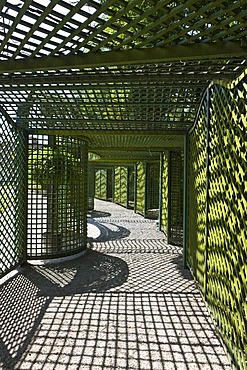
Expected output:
(57, 196)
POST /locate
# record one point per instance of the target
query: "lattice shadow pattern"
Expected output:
(63, 321)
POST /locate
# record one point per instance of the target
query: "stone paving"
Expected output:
(127, 304)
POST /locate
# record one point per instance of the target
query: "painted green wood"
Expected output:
(13, 205)
(91, 186)
(164, 197)
(185, 200)
(140, 187)
(226, 205)
(197, 196)
(101, 183)
(121, 185)
(57, 196)
(216, 50)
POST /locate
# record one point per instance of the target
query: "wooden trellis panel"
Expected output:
(91, 186)
(164, 193)
(131, 186)
(152, 189)
(140, 187)
(104, 183)
(57, 196)
(197, 196)
(101, 183)
(171, 218)
(217, 232)
(227, 216)
(121, 185)
(175, 198)
(12, 196)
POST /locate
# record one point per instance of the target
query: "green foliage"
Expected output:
(57, 171)
(54, 167)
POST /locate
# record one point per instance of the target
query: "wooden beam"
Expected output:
(107, 132)
(207, 51)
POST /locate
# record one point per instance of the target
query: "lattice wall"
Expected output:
(164, 194)
(12, 195)
(121, 185)
(175, 204)
(104, 183)
(171, 218)
(217, 244)
(197, 196)
(131, 186)
(101, 183)
(140, 187)
(91, 186)
(153, 173)
(57, 196)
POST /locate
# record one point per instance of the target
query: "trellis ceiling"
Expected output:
(126, 75)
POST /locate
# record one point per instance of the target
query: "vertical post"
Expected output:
(185, 198)
(207, 192)
(127, 187)
(24, 256)
(161, 189)
(113, 183)
(135, 186)
(146, 189)
(84, 163)
(91, 186)
(169, 198)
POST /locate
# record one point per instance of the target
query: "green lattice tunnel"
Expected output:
(44, 203)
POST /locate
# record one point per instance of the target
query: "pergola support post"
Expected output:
(169, 198)
(185, 199)
(24, 252)
(207, 191)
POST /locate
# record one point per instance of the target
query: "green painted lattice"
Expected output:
(152, 189)
(140, 187)
(121, 185)
(164, 193)
(57, 196)
(12, 196)
(104, 183)
(171, 218)
(101, 183)
(175, 201)
(91, 186)
(197, 196)
(217, 235)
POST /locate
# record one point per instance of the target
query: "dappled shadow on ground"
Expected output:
(154, 266)
(93, 272)
(101, 232)
(126, 304)
(25, 299)
(106, 330)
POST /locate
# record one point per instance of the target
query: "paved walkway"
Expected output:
(126, 304)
